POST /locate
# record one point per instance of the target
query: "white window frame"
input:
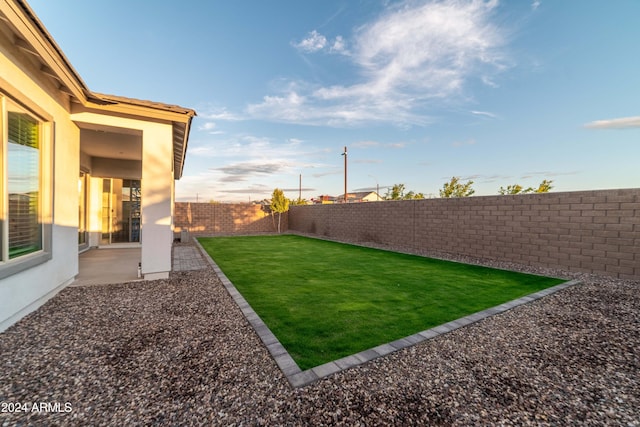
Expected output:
(15, 265)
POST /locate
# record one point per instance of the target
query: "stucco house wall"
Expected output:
(22, 83)
(79, 132)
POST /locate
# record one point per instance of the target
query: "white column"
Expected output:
(157, 187)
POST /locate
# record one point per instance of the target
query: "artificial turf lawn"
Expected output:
(325, 300)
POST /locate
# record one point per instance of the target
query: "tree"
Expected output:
(511, 189)
(397, 193)
(455, 188)
(279, 204)
(411, 196)
(544, 187)
(298, 202)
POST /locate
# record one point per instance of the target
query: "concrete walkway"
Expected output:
(186, 258)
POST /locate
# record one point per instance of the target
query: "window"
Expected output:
(25, 193)
(82, 209)
(23, 183)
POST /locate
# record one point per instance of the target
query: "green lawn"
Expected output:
(326, 300)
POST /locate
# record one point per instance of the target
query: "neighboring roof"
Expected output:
(31, 36)
(357, 195)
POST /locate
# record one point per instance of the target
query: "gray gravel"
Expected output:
(179, 352)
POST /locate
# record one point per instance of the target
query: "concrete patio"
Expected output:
(120, 264)
(112, 265)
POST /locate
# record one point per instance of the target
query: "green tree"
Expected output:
(396, 192)
(455, 188)
(411, 196)
(511, 189)
(544, 187)
(279, 204)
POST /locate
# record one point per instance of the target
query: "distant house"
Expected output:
(79, 170)
(362, 196)
(324, 200)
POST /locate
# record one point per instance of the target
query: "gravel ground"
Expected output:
(179, 352)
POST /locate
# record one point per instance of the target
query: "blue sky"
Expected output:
(418, 91)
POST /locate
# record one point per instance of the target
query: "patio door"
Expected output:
(120, 210)
(82, 211)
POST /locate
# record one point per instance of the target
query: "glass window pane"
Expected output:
(23, 155)
(82, 211)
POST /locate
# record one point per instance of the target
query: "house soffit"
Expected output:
(110, 142)
(179, 122)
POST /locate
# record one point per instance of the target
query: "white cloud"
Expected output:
(535, 4)
(313, 43)
(221, 114)
(368, 161)
(210, 128)
(621, 123)
(339, 46)
(376, 144)
(484, 114)
(489, 82)
(547, 174)
(316, 42)
(245, 169)
(430, 49)
(366, 144)
(413, 54)
(202, 151)
(470, 141)
(251, 158)
(397, 145)
(288, 107)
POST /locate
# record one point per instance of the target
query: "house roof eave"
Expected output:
(31, 36)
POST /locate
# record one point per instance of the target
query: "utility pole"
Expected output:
(300, 189)
(377, 188)
(345, 174)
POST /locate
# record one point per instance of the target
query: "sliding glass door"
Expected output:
(120, 210)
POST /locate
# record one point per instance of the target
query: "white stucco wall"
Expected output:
(156, 185)
(26, 290)
(33, 75)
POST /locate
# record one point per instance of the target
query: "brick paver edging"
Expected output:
(300, 378)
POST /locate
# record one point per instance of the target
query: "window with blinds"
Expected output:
(23, 183)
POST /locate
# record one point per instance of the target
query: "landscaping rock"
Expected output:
(179, 352)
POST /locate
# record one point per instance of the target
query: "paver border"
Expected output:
(299, 378)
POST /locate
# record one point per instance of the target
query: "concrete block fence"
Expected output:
(209, 219)
(587, 231)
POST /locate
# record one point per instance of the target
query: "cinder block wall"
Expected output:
(208, 219)
(587, 231)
